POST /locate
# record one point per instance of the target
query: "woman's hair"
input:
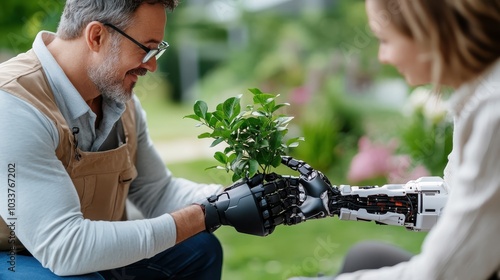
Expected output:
(463, 36)
(78, 13)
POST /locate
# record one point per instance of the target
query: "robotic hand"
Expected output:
(314, 193)
(253, 206)
(415, 205)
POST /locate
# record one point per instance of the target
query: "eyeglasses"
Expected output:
(149, 52)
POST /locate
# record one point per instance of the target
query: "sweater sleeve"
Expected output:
(49, 221)
(464, 242)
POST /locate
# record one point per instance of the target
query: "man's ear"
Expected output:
(95, 35)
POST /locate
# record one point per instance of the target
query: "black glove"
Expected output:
(315, 196)
(253, 206)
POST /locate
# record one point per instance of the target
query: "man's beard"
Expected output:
(107, 82)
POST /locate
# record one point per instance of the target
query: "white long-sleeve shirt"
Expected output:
(49, 221)
(464, 244)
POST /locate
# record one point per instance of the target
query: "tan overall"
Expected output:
(102, 179)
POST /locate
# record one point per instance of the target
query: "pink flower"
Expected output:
(371, 161)
(379, 160)
(300, 95)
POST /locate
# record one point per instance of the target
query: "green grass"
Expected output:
(316, 246)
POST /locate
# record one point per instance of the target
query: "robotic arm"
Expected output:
(415, 205)
(257, 205)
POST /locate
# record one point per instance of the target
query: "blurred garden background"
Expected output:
(360, 123)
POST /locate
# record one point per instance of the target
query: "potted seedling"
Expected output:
(254, 135)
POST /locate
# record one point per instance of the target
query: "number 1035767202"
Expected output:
(11, 189)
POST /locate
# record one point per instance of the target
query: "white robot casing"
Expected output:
(431, 194)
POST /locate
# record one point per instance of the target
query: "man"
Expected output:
(75, 145)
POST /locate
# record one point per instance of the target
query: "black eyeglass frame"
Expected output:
(149, 52)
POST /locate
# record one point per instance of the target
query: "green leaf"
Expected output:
(194, 117)
(276, 161)
(226, 134)
(205, 135)
(221, 157)
(239, 166)
(295, 139)
(253, 167)
(294, 142)
(262, 158)
(220, 116)
(270, 106)
(232, 108)
(263, 99)
(265, 143)
(217, 142)
(279, 106)
(283, 120)
(238, 124)
(212, 167)
(220, 107)
(253, 122)
(217, 133)
(275, 140)
(212, 121)
(236, 177)
(255, 91)
(293, 145)
(259, 114)
(200, 109)
(231, 157)
(282, 128)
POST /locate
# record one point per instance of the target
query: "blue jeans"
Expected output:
(28, 268)
(199, 257)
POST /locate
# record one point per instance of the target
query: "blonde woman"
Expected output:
(447, 43)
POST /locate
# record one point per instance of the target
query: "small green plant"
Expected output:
(254, 135)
